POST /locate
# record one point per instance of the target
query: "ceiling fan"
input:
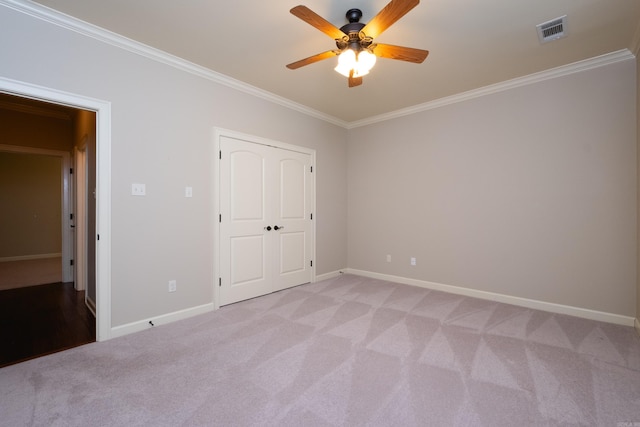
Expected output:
(357, 51)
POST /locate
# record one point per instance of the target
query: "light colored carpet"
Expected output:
(346, 351)
(20, 274)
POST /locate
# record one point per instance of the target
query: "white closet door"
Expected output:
(265, 224)
(293, 209)
(244, 256)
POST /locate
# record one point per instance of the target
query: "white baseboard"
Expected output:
(637, 326)
(141, 325)
(330, 275)
(91, 305)
(507, 299)
(28, 257)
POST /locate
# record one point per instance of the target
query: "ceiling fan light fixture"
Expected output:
(355, 64)
(355, 40)
(366, 60)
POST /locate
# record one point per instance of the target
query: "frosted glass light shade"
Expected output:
(360, 63)
(346, 62)
(366, 60)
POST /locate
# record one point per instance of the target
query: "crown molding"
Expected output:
(50, 112)
(60, 19)
(576, 67)
(74, 24)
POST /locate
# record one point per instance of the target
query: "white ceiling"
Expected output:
(472, 43)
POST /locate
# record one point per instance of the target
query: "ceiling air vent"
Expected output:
(552, 30)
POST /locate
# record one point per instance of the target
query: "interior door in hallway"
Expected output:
(266, 197)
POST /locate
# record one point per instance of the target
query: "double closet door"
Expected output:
(266, 197)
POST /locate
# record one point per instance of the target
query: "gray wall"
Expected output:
(638, 169)
(30, 185)
(30, 197)
(162, 121)
(35, 131)
(529, 192)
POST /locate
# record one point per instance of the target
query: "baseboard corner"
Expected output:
(503, 298)
(636, 324)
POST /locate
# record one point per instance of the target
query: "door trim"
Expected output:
(103, 185)
(80, 215)
(218, 133)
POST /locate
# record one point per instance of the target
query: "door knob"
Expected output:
(268, 228)
(278, 228)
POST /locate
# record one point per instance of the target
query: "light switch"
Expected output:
(188, 192)
(138, 190)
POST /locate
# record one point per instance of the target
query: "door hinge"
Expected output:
(98, 237)
(71, 262)
(71, 217)
(220, 155)
(220, 218)
(70, 171)
(311, 263)
(220, 282)
(312, 216)
(311, 169)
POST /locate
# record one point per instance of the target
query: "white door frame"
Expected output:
(218, 133)
(65, 182)
(80, 214)
(103, 185)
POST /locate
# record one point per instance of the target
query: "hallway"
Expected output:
(43, 319)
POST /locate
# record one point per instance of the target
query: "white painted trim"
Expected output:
(635, 42)
(60, 19)
(91, 305)
(31, 150)
(36, 111)
(80, 210)
(103, 185)
(215, 201)
(327, 276)
(65, 21)
(576, 67)
(67, 232)
(507, 299)
(142, 325)
(30, 257)
(218, 133)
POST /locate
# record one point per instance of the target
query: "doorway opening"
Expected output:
(86, 226)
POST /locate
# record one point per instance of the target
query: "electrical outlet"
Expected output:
(172, 285)
(388, 258)
(413, 261)
(138, 190)
(188, 191)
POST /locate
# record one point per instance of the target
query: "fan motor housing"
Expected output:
(354, 25)
(352, 30)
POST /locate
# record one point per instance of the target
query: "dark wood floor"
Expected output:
(44, 319)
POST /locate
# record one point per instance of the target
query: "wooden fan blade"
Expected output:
(393, 11)
(402, 53)
(311, 60)
(315, 20)
(354, 81)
